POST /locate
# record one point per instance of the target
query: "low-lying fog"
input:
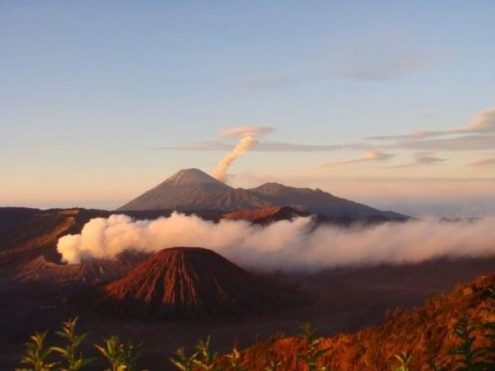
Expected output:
(285, 245)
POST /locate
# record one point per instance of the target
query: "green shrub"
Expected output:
(202, 359)
(37, 353)
(73, 359)
(120, 356)
(312, 354)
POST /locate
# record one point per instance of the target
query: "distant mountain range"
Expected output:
(192, 189)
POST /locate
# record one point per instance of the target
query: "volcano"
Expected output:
(317, 201)
(189, 282)
(194, 190)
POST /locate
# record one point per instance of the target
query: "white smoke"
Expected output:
(247, 135)
(285, 245)
(241, 148)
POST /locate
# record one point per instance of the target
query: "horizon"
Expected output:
(394, 112)
(414, 206)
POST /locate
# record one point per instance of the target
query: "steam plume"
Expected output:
(285, 245)
(248, 135)
(241, 148)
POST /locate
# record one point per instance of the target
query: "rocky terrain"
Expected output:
(190, 282)
(427, 334)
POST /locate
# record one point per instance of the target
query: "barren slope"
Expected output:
(188, 282)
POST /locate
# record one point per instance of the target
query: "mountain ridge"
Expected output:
(191, 189)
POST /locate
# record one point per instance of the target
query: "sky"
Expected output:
(391, 103)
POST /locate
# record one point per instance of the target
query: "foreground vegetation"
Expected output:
(473, 349)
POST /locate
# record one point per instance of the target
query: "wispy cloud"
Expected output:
(300, 147)
(421, 159)
(373, 155)
(477, 135)
(482, 123)
(380, 61)
(224, 142)
(485, 162)
(218, 145)
(457, 144)
(243, 131)
(427, 158)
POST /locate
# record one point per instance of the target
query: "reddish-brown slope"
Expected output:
(37, 235)
(87, 273)
(427, 333)
(265, 215)
(186, 282)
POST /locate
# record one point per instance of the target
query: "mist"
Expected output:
(284, 245)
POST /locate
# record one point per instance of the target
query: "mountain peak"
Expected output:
(193, 189)
(188, 281)
(191, 176)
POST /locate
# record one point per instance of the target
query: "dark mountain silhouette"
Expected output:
(193, 189)
(187, 282)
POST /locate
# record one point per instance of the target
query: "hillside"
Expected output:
(427, 333)
(317, 201)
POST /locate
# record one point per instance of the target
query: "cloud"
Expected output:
(421, 159)
(377, 155)
(478, 134)
(372, 156)
(482, 123)
(420, 134)
(379, 61)
(287, 245)
(299, 147)
(427, 158)
(245, 131)
(485, 162)
(217, 145)
(462, 143)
